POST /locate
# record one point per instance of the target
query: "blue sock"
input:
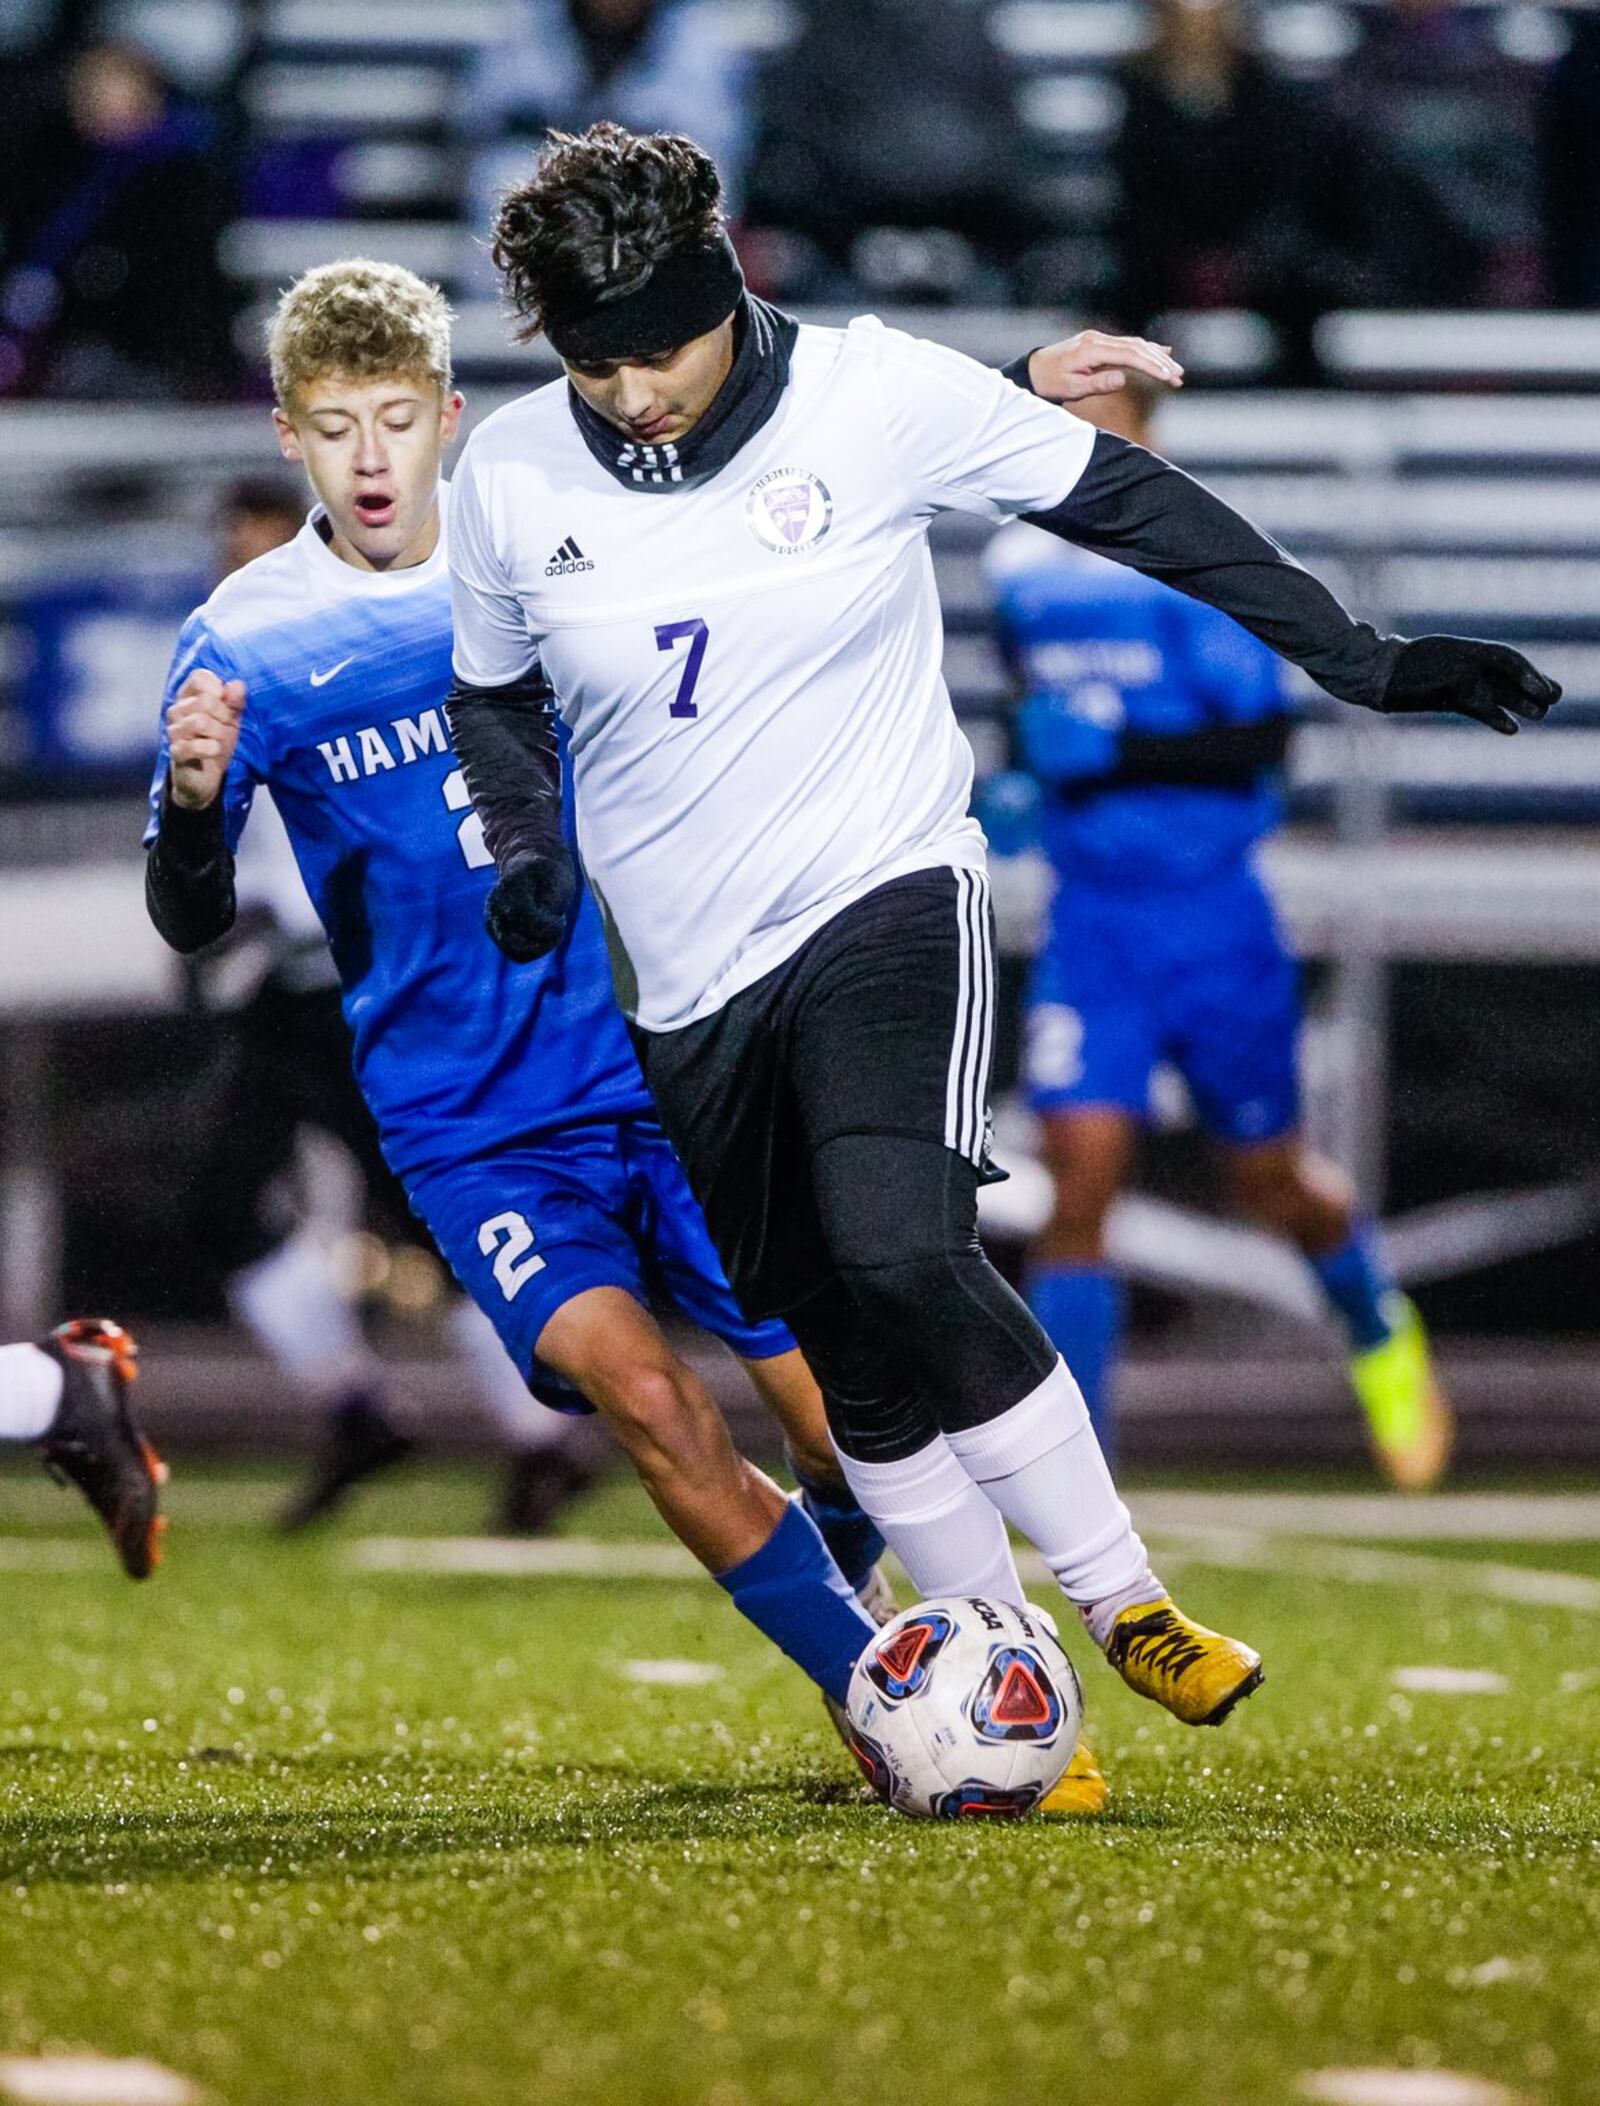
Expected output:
(795, 1594)
(849, 1533)
(1358, 1283)
(1081, 1308)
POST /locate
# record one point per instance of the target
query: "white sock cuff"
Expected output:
(1106, 1565)
(1046, 1418)
(917, 1488)
(30, 1392)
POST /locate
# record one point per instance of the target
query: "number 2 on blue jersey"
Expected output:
(668, 636)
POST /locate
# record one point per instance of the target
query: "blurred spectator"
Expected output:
(894, 114)
(1570, 140)
(1443, 120)
(1233, 190)
(258, 513)
(110, 283)
(653, 65)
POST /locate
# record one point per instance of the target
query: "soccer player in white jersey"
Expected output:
(707, 550)
(508, 1097)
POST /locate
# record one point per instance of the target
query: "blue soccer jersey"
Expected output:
(1162, 945)
(1122, 652)
(458, 1051)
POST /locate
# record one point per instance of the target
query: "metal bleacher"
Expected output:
(380, 84)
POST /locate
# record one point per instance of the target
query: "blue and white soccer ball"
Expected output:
(963, 1707)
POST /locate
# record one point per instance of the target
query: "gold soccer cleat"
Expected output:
(1409, 1420)
(1081, 1789)
(1196, 1674)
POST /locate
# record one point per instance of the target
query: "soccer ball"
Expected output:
(964, 1707)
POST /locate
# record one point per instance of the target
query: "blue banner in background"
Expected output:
(90, 657)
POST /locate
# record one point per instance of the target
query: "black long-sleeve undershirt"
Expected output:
(188, 875)
(505, 739)
(1137, 509)
(1214, 757)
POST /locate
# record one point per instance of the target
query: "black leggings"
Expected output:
(832, 1121)
(917, 1334)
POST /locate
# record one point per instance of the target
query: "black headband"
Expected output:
(685, 296)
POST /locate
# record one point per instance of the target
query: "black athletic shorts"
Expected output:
(882, 1023)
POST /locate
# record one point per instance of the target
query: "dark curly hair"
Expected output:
(597, 215)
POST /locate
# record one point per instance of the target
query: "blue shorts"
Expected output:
(526, 1229)
(1199, 978)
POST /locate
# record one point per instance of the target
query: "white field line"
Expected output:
(1359, 1566)
(1379, 1517)
(515, 1557)
(1402, 2087)
(91, 2080)
(1450, 1681)
(672, 1674)
(28, 1497)
(1235, 1550)
(52, 1554)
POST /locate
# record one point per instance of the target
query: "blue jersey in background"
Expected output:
(1162, 944)
(1119, 651)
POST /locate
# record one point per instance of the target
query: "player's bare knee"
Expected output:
(645, 1403)
(1288, 1190)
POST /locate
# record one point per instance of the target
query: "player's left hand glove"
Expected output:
(528, 910)
(1488, 681)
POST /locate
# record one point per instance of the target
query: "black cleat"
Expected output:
(95, 1445)
(359, 1444)
(538, 1484)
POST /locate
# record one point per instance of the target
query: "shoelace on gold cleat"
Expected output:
(1158, 1650)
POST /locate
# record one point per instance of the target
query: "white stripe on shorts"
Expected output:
(972, 1047)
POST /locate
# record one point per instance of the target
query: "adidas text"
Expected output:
(567, 558)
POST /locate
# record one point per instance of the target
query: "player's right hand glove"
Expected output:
(528, 910)
(1488, 681)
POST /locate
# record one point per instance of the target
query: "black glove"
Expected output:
(528, 910)
(1488, 681)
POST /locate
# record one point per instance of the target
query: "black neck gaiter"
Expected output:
(764, 339)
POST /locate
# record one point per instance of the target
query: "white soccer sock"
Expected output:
(525, 1422)
(1041, 1465)
(290, 1306)
(30, 1392)
(948, 1536)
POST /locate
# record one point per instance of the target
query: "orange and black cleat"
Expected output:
(95, 1444)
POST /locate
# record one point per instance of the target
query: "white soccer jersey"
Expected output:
(751, 670)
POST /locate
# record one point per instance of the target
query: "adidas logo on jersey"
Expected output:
(567, 558)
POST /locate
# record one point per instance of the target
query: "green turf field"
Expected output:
(317, 1836)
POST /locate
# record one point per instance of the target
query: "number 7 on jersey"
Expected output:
(668, 636)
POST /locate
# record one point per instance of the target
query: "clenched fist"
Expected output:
(202, 732)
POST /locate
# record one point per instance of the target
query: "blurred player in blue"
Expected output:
(507, 1097)
(1154, 728)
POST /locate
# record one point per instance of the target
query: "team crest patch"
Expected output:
(901, 1665)
(789, 511)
